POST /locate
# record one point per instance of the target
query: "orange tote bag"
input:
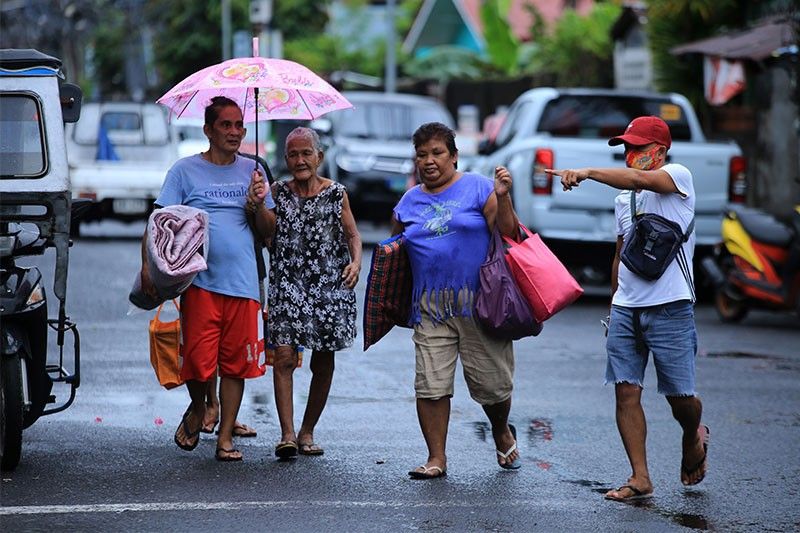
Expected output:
(165, 349)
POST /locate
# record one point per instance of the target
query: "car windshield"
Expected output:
(603, 116)
(21, 139)
(381, 120)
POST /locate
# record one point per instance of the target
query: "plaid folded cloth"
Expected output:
(388, 299)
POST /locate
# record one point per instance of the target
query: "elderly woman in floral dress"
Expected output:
(315, 260)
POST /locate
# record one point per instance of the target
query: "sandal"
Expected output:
(286, 450)
(189, 434)
(636, 494)
(310, 448)
(701, 463)
(515, 464)
(428, 472)
(228, 457)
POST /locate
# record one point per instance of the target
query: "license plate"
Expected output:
(397, 184)
(129, 206)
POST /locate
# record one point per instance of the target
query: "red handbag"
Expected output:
(541, 277)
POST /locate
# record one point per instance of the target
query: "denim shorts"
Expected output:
(668, 331)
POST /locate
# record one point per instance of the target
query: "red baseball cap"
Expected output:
(644, 130)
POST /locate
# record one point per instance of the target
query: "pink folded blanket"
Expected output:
(177, 237)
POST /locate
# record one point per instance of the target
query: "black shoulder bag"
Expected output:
(652, 243)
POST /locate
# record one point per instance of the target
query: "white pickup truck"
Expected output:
(119, 154)
(570, 128)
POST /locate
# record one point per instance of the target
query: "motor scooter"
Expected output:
(757, 265)
(36, 210)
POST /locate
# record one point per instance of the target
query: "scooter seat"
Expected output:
(762, 226)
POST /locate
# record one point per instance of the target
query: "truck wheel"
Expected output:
(11, 412)
(729, 309)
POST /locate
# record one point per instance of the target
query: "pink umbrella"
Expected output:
(282, 89)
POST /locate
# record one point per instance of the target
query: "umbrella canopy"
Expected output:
(286, 90)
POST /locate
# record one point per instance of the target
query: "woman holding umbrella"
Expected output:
(220, 310)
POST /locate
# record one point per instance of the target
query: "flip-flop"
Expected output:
(515, 464)
(701, 462)
(428, 472)
(189, 434)
(227, 458)
(210, 428)
(243, 430)
(286, 450)
(637, 494)
(310, 448)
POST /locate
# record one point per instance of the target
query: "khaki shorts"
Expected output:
(488, 362)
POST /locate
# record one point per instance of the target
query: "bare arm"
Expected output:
(352, 270)
(622, 178)
(261, 219)
(397, 227)
(615, 267)
(498, 208)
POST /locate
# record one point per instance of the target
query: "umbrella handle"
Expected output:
(255, 94)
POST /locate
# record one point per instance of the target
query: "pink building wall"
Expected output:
(519, 18)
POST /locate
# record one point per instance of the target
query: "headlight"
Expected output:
(355, 162)
(37, 295)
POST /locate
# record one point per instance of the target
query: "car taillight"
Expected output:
(543, 182)
(89, 195)
(737, 180)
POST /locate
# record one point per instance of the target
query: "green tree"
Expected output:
(188, 36)
(502, 46)
(579, 50)
(680, 21)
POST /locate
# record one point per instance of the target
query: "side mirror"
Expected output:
(71, 97)
(485, 147)
(321, 125)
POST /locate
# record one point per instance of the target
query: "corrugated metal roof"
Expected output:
(756, 43)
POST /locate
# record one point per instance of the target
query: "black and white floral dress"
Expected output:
(309, 304)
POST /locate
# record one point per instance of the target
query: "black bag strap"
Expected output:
(683, 263)
(689, 228)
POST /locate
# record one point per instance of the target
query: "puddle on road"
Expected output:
(690, 520)
(772, 361)
(538, 429)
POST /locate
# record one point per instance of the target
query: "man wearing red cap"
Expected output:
(651, 315)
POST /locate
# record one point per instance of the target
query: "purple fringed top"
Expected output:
(447, 237)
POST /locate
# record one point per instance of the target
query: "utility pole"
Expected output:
(226, 30)
(391, 41)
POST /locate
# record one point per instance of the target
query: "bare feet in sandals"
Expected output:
(187, 436)
(211, 418)
(507, 451)
(307, 446)
(693, 464)
(633, 490)
(430, 470)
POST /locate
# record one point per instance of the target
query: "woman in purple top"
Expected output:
(446, 222)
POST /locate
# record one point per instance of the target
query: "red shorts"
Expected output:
(219, 331)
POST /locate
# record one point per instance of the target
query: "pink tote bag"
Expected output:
(541, 277)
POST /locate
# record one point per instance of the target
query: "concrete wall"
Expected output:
(775, 171)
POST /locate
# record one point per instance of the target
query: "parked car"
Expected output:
(569, 128)
(119, 154)
(369, 150)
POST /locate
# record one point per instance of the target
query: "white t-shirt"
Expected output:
(635, 291)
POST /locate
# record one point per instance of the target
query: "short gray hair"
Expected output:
(304, 133)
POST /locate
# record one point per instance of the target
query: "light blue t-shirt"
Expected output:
(220, 191)
(447, 239)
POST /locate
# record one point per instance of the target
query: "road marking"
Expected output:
(213, 506)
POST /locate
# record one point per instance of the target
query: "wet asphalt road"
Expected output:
(108, 462)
